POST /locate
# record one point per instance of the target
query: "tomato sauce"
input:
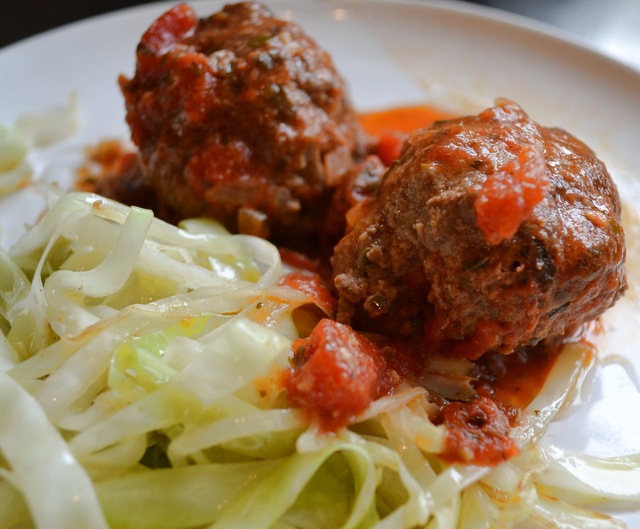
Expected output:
(517, 378)
(311, 285)
(336, 374)
(168, 29)
(392, 127)
(509, 195)
(107, 159)
(478, 432)
(401, 120)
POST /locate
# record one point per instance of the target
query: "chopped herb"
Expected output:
(259, 40)
(196, 68)
(440, 122)
(296, 356)
(615, 226)
(280, 101)
(363, 260)
(476, 264)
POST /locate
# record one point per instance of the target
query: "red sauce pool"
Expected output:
(392, 126)
(401, 120)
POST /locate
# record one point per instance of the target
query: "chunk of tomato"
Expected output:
(336, 374)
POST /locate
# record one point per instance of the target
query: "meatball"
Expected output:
(241, 117)
(490, 232)
(357, 185)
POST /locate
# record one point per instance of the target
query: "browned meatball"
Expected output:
(490, 232)
(356, 186)
(242, 117)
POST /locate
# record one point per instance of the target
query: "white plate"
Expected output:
(454, 55)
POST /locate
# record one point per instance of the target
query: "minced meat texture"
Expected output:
(356, 186)
(490, 232)
(241, 117)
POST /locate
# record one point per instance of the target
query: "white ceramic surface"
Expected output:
(454, 55)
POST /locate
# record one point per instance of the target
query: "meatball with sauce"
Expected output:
(490, 232)
(240, 116)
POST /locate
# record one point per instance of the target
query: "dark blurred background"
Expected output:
(27, 17)
(610, 25)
